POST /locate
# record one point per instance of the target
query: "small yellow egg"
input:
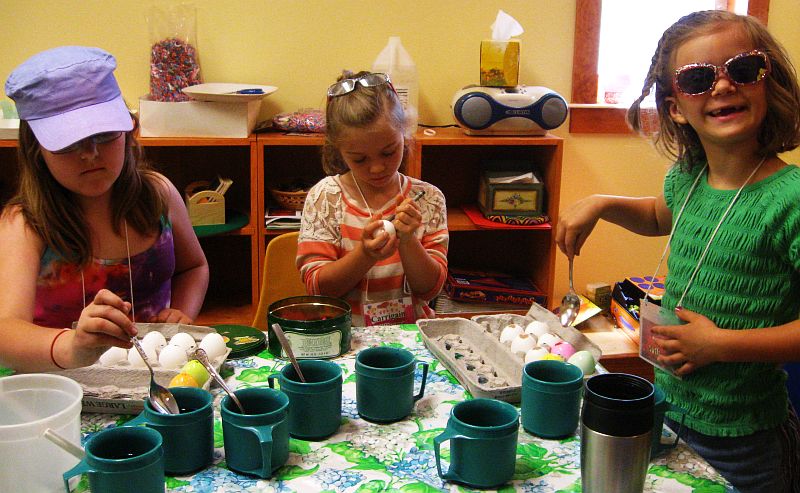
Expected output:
(556, 357)
(183, 380)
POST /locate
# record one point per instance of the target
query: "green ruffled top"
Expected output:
(749, 278)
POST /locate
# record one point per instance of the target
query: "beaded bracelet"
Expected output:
(52, 347)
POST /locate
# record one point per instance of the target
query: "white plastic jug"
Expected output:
(395, 61)
(29, 405)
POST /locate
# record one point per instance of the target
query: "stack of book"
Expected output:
(276, 218)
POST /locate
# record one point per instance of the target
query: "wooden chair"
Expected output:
(280, 278)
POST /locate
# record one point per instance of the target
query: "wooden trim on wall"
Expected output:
(584, 69)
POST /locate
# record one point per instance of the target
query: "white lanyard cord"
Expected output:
(400, 184)
(130, 275)
(713, 233)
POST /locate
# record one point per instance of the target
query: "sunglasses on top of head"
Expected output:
(346, 86)
(743, 69)
(101, 138)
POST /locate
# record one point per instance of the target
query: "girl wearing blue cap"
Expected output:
(93, 236)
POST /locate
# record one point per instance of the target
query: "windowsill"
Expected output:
(598, 119)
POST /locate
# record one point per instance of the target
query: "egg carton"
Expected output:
(472, 351)
(122, 388)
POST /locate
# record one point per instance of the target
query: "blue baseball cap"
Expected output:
(67, 94)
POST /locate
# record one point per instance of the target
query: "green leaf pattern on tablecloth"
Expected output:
(398, 457)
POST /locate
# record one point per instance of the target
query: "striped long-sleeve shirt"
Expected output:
(331, 228)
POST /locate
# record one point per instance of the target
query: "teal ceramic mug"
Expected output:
(660, 408)
(188, 436)
(125, 459)
(315, 406)
(385, 383)
(256, 443)
(483, 443)
(551, 398)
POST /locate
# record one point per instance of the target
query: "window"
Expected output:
(586, 115)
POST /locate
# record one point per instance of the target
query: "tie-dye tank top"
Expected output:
(59, 300)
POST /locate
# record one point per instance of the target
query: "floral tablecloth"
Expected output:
(369, 458)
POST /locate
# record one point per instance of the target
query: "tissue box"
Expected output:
(197, 118)
(499, 63)
(514, 199)
(626, 297)
(492, 287)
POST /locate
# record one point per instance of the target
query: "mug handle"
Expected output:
(81, 468)
(271, 379)
(681, 410)
(424, 377)
(264, 434)
(447, 434)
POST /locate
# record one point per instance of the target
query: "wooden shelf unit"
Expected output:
(450, 160)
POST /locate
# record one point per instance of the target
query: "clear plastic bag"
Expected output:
(174, 61)
(305, 120)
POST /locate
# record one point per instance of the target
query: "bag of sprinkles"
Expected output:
(174, 62)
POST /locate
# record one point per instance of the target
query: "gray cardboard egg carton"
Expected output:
(121, 388)
(472, 351)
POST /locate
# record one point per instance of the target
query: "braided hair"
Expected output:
(780, 130)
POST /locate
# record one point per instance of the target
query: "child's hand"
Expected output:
(103, 323)
(690, 346)
(375, 243)
(171, 316)
(408, 218)
(575, 224)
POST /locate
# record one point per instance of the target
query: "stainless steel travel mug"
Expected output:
(616, 431)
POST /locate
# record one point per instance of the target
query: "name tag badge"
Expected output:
(390, 312)
(651, 314)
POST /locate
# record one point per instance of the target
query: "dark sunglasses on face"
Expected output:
(346, 86)
(101, 138)
(743, 69)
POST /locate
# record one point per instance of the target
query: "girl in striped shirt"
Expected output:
(344, 249)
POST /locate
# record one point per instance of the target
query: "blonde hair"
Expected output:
(55, 215)
(360, 108)
(780, 130)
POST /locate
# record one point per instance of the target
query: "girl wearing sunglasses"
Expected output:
(728, 102)
(90, 226)
(344, 249)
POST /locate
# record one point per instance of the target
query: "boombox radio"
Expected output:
(520, 110)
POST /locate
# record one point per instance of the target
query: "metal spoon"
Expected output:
(287, 346)
(160, 398)
(201, 356)
(570, 304)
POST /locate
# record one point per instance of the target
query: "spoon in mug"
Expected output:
(160, 397)
(287, 346)
(201, 356)
(570, 304)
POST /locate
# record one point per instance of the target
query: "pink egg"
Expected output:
(563, 349)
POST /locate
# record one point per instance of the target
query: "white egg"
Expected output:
(172, 356)
(509, 333)
(548, 340)
(113, 356)
(537, 328)
(214, 345)
(150, 346)
(135, 359)
(156, 339)
(184, 340)
(387, 226)
(522, 343)
(535, 354)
